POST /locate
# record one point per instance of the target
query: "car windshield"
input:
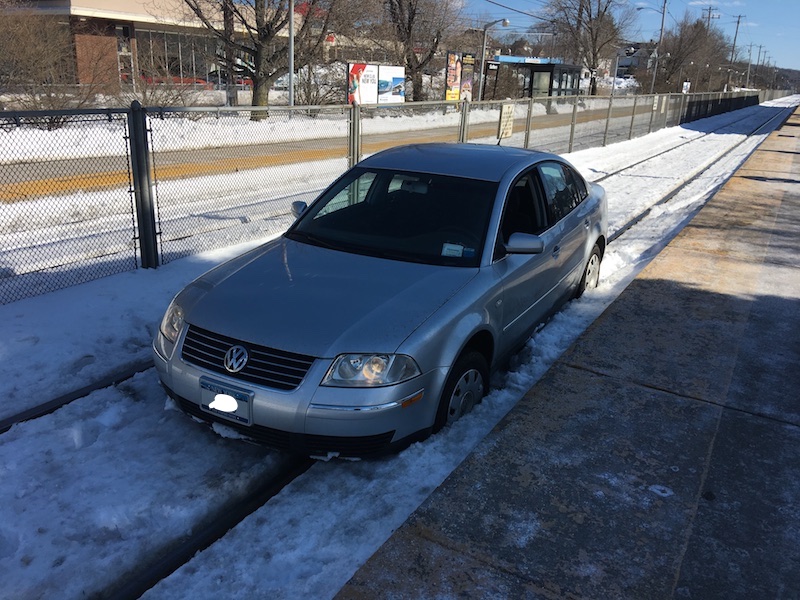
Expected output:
(400, 215)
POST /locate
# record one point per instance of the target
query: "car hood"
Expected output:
(322, 302)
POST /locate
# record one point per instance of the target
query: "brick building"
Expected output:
(117, 39)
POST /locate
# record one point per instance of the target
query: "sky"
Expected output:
(94, 487)
(772, 24)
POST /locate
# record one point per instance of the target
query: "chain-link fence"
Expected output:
(66, 213)
(386, 126)
(85, 194)
(224, 177)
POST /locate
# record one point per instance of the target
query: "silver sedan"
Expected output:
(377, 318)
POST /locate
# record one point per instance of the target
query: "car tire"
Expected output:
(591, 274)
(465, 386)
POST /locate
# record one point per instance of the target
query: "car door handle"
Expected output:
(556, 251)
(587, 223)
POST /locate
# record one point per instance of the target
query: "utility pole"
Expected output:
(758, 62)
(658, 47)
(709, 16)
(733, 52)
(735, 35)
(231, 94)
(749, 62)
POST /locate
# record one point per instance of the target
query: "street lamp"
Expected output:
(291, 52)
(486, 27)
(663, 12)
(628, 51)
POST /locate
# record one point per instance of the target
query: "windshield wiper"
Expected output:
(302, 236)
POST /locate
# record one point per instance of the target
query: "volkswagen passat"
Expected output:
(379, 315)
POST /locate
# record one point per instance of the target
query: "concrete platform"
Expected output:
(660, 456)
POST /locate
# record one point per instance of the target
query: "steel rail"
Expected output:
(783, 115)
(136, 582)
(116, 377)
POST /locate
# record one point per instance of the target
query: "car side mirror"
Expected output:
(298, 208)
(524, 243)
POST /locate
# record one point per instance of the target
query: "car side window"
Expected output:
(355, 193)
(580, 185)
(524, 210)
(561, 190)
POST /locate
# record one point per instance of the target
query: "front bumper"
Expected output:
(314, 420)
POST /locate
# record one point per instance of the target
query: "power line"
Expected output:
(516, 10)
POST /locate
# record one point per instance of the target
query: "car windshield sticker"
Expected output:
(452, 250)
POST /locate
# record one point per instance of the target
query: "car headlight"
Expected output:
(172, 323)
(368, 370)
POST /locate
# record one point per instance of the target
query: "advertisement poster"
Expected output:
(453, 78)
(391, 84)
(467, 76)
(362, 83)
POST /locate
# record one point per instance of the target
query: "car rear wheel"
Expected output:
(591, 274)
(465, 387)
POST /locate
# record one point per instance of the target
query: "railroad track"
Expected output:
(129, 371)
(766, 126)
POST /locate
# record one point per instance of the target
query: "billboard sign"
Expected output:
(453, 76)
(391, 84)
(467, 76)
(373, 84)
(362, 83)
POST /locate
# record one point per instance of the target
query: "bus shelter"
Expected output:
(523, 77)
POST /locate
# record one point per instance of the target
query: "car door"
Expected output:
(529, 281)
(568, 223)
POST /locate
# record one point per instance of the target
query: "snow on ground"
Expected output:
(90, 489)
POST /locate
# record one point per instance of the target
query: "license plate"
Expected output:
(243, 412)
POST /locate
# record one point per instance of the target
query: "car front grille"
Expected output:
(265, 366)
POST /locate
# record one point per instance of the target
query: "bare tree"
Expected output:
(589, 31)
(256, 34)
(691, 50)
(322, 85)
(419, 26)
(411, 33)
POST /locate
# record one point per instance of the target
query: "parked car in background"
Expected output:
(377, 318)
(221, 78)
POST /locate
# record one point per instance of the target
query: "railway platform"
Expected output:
(660, 456)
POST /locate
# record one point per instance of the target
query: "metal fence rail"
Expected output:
(86, 194)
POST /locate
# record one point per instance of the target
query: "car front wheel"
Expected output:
(465, 387)
(591, 274)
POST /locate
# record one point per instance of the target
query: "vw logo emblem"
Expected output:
(235, 359)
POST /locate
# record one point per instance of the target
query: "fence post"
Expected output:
(463, 130)
(681, 109)
(529, 122)
(142, 185)
(608, 119)
(633, 117)
(653, 108)
(574, 121)
(355, 135)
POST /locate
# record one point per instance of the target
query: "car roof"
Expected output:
(473, 161)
